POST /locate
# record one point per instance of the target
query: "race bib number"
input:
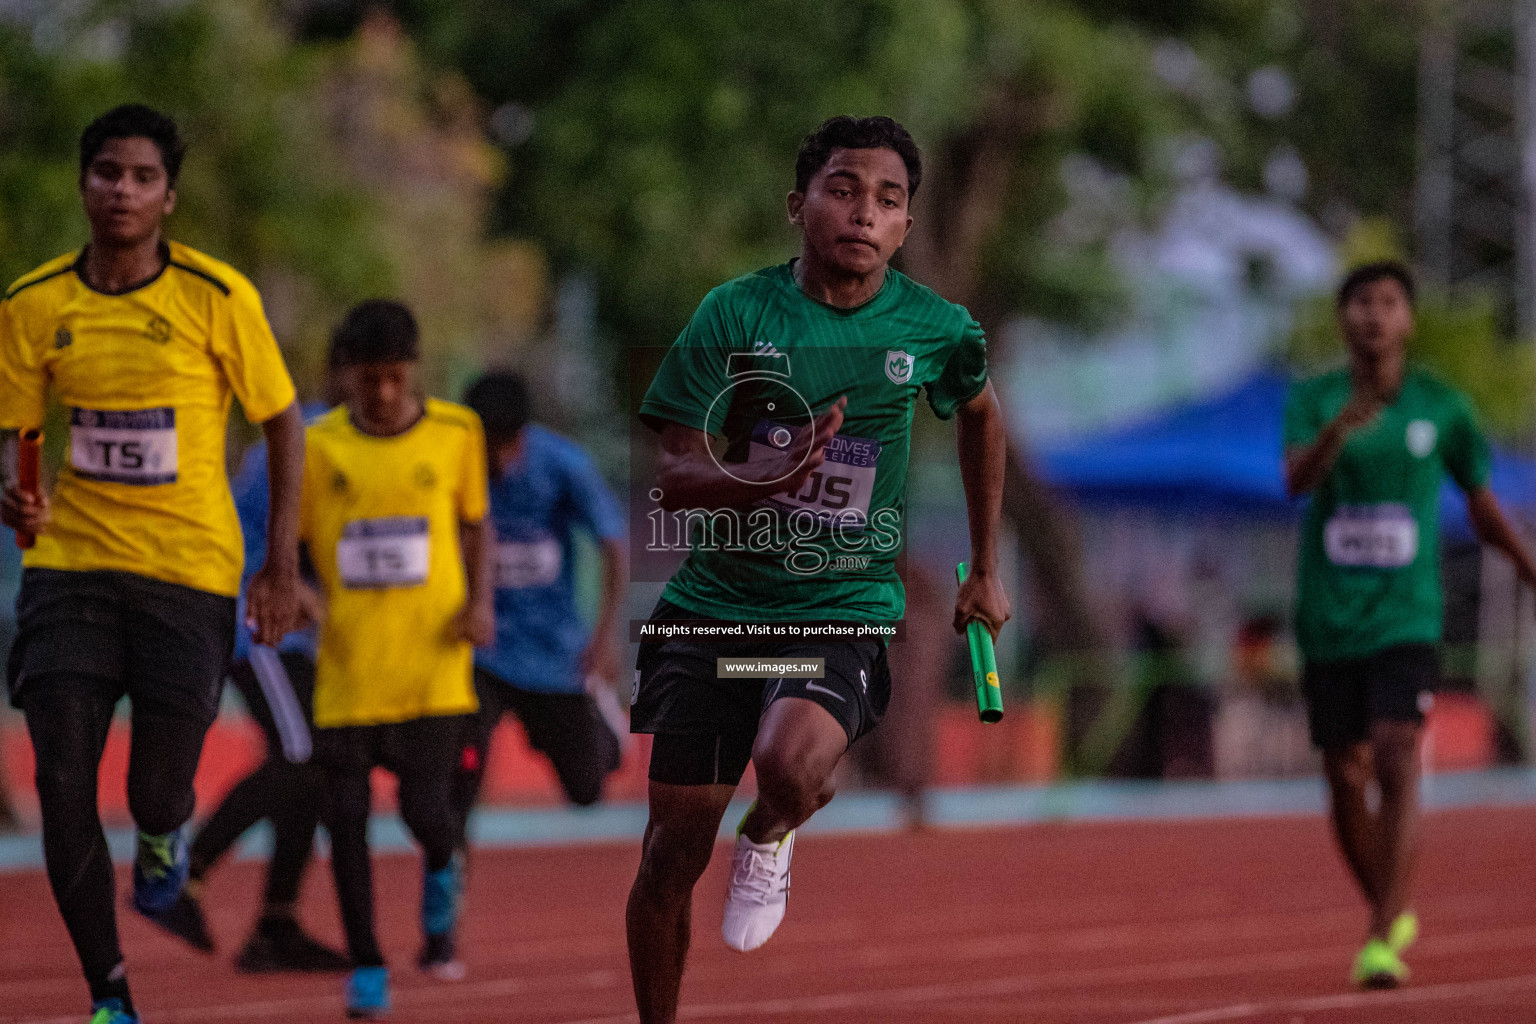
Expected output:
(374, 554)
(1384, 536)
(840, 488)
(136, 446)
(522, 564)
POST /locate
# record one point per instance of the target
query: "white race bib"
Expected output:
(135, 446)
(1384, 536)
(839, 489)
(522, 564)
(373, 554)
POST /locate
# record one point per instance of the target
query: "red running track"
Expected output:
(1167, 922)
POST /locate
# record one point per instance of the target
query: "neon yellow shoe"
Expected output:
(1379, 966)
(1404, 930)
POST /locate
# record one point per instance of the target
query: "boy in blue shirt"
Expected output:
(543, 489)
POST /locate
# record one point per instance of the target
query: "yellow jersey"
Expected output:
(381, 518)
(145, 378)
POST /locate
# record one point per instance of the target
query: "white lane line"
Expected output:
(1023, 984)
(1094, 938)
(1351, 1000)
(417, 998)
(439, 1001)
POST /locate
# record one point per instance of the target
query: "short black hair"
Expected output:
(135, 121)
(1370, 273)
(500, 399)
(376, 331)
(844, 132)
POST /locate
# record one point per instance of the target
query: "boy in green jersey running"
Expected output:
(810, 371)
(1372, 443)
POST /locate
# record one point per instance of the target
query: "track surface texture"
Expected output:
(1202, 922)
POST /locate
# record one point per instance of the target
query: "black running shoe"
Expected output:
(184, 919)
(281, 946)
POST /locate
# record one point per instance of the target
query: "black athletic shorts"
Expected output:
(166, 646)
(426, 750)
(705, 726)
(1345, 697)
(567, 728)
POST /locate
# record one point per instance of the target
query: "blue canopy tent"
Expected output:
(1222, 455)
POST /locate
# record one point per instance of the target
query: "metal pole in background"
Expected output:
(1525, 305)
(1525, 133)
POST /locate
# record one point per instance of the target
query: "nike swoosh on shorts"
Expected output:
(823, 689)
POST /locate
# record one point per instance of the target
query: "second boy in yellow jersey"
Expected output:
(130, 587)
(381, 517)
(393, 513)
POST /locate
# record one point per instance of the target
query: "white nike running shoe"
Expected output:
(759, 892)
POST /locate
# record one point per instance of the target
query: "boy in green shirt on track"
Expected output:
(1372, 443)
(810, 371)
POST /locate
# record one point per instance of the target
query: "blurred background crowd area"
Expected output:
(1147, 205)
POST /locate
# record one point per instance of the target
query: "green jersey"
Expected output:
(757, 360)
(1369, 566)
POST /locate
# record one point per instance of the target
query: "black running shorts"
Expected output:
(166, 646)
(1345, 697)
(705, 725)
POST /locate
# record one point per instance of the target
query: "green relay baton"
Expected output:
(989, 698)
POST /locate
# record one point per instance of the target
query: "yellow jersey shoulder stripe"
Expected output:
(53, 268)
(216, 272)
(220, 285)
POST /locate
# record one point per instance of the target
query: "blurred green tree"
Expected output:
(1313, 78)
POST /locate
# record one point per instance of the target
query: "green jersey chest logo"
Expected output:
(898, 366)
(1421, 437)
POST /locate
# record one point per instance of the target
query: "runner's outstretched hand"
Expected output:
(982, 599)
(25, 511)
(477, 624)
(272, 604)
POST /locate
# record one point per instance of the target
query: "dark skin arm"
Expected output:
(273, 607)
(1494, 529)
(981, 437)
(477, 622)
(1308, 465)
(689, 477)
(600, 659)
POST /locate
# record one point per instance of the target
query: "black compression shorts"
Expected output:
(166, 646)
(705, 726)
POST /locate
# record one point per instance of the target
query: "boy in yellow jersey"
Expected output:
(393, 513)
(130, 587)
